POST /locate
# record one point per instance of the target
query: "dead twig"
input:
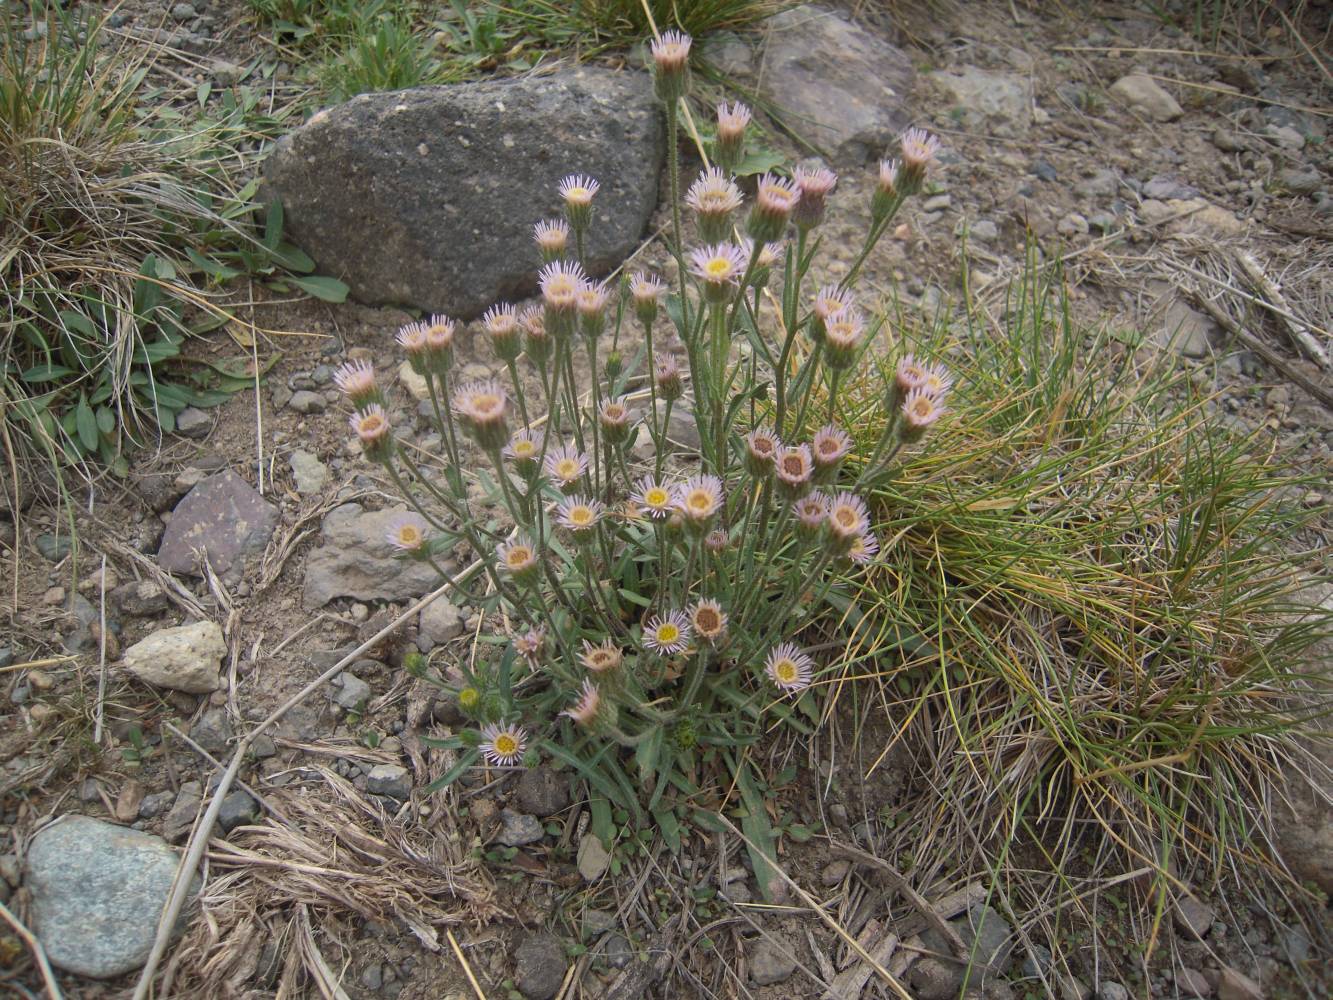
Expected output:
(899, 882)
(38, 953)
(1261, 348)
(1273, 300)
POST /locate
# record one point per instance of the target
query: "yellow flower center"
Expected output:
(718, 268)
(923, 407)
(700, 501)
(486, 403)
(667, 633)
(578, 195)
(409, 536)
(792, 465)
(524, 449)
(786, 671)
(657, 497)
(567, 468)
(505, 745)
(469, 697)
(519, 556)
(581, 516)
(845, 516)
(372, 423)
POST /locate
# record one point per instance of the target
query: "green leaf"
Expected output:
(634, 598)
(758, 832)
(77, 322)
(202, 91)
(669, 825)
(603, 825)
(212, 268)
(106, 420)
(594, 776)
(293, 258)
(321, 287)
(273, 225)
(758, 161)
(86, 424)
(799, 832)
(46, 373)
(448, 743)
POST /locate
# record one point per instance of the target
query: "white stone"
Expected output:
(1142, 93)
(185, 658)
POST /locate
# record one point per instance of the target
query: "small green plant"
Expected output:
(383, 53)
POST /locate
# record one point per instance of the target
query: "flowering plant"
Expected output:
(656, 607)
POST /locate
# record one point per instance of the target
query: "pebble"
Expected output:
(1300, 181)
(1228, 142)
(593, 858)
(372, 977)
(1193, 916)
(183, 12)
(617, 951)
(54, 597)
(1072, 224)
(1044, 171)
(305, 401)
(1287, 137)
(52, 547)
(155, 804)
(193, 422)
(1112, 991)
(1145, 95)
(310, 474)
(539, 966)
(1193, 983)
(518, 829)
(542, 792)
(236, 809)
(1234, 985)
(352, 691)
(936, 203)
(772, 959)
(834, 872)
(391, 780)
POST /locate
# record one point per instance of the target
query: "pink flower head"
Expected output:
(708, 620)
(810, 511)
(406, 532)
(717, 541)
(578, 190)
(713, 197)
(524, 448)
(531, 644)
(844, 333)
(518, 557)
(566, 465)
(538, 346)
(864, 549)
(560, 282)
(918, 150)
(671, 63)
(372, 430)
(666, 376)
(412, 339)
(921, 409)
(551, 237)
(815, 185)
(356, 381)
(793, 465)
(699, 499)
(656, 498)
(761, 449)
(646, 293)
(481, 407)
(908, 375)
(789, 668)
(590, 301)
(501, 325)
(667, 635)
(830, 445)
(732, 121)
(502, 744)
(937, 381)
(615, 418)
(847, 518)
(721, 263)
(584, 711)
(601, 659)
(579, 514)
(774, 200)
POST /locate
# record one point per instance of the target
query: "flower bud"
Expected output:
(666, 374)
(774, 201)
(814, 186)
(506, 337)
(647, 294)
(731, 123)
(671, 66)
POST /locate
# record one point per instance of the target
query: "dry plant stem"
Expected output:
(48, 977)
(204, 829)
(889, 980)
(900, 883)
(462, 960)
(1297, 330)
(1261, 348)
(101, 658)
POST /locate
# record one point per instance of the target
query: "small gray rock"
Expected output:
(262, 747)
(936, 203)
(441, 621)
(935, 979)
(372, 976)
(391, 780)
(772, 959)
(1228, 142)
(1144, 95)
(52, 547)
(97, 891)
(140, 598)
(183, 12)
(237, 808)
(311, 475)
(1072, 224)
(542, 792)
(1112, 991)
(1193, 983)
(539, 966)
(617, 951)
(1102, 184)
(1234, 985)
(593, 858)
(995, 99)
(1036, 961)
(305, 401)
(193, 422)
(518, 829)
(228, 73)
(984, 231)
(353, 692)
(596, 922)
(213, 731)
(155, 804)
(356, 560)
(1164, 187)
(180, 818)
(843, 87)
(1193, 916)
(834, 872)
(1300, 181)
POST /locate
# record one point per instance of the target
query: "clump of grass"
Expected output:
(109, 213)
(382, 53)
(630, 18)
(1092, 623)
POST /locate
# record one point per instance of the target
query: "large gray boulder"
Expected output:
(97, 893)
(357, 560)
(837, 84)
(427, 197)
